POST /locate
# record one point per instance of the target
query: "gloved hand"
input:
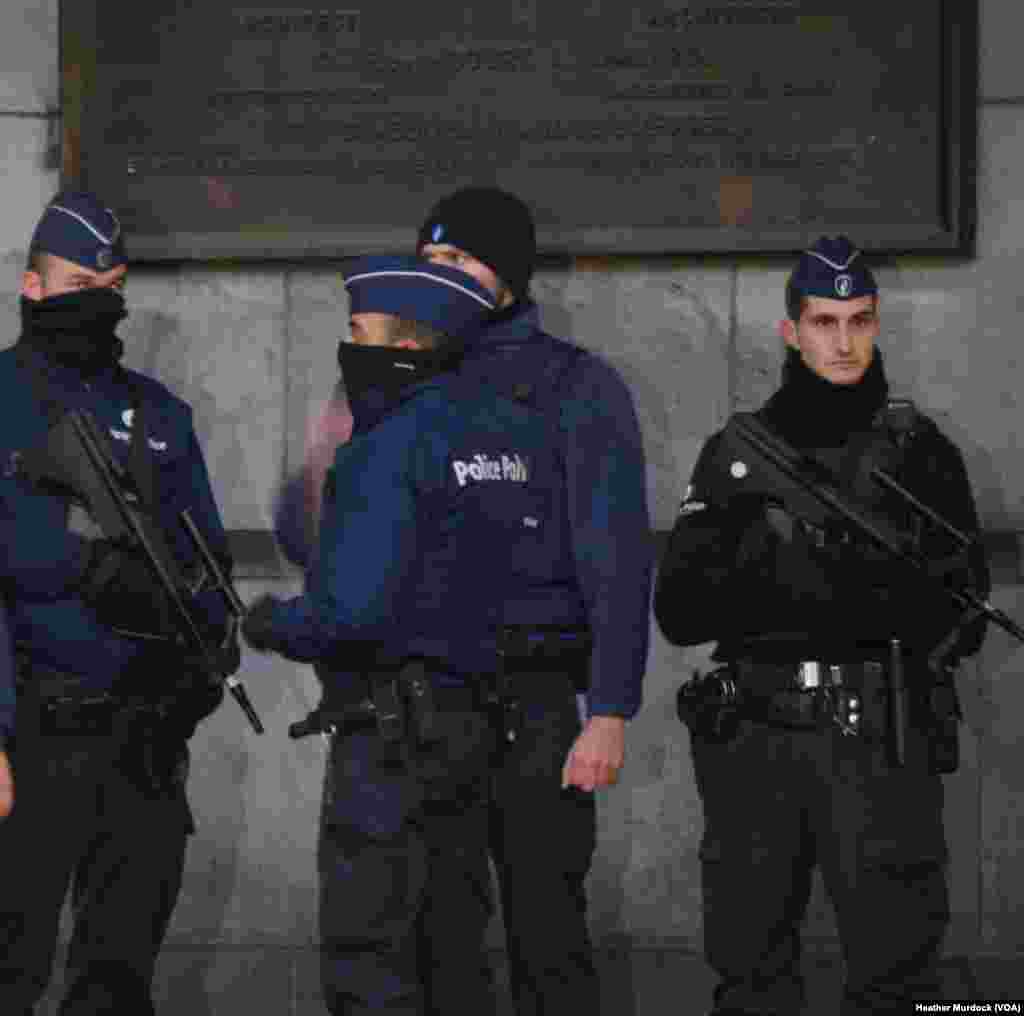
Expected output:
(222, 649)
(228, 657)
(119, 584)
(196, 697)
(111, 565)
(759, 525)
(257, 628)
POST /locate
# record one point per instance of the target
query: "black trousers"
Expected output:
(405, 877)
(405, 894)
(84, 817)
(777, 802)
(542, 840)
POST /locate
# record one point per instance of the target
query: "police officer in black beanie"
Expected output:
(815, 631)
(546, 776)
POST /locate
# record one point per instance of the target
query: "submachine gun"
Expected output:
(76, 458)
(760, 462)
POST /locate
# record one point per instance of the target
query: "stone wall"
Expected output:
(252, 348)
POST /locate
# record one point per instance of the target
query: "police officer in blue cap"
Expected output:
(444, 532)
(817, 632)
(490, 233)
(106, 696)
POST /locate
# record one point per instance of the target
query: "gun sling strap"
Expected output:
(141, 467)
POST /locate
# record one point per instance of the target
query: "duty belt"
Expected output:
(809, 692)
(525, 646)
(68, 706)
(395, 698)
(533, 664)
(812, 691)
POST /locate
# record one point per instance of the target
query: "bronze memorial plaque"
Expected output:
(300, 129)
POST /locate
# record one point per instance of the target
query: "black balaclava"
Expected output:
(374, 377)
(75, 329)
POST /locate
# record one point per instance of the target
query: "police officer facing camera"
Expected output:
(831, 653)
(490, 233)
(106, 695)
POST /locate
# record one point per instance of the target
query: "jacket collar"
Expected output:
(377, 404)
(517, 323)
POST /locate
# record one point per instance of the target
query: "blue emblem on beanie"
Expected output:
(438, 296)
(437, 233)
(833, 268)
(79, 227)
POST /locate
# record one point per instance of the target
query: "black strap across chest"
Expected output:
(141, 467)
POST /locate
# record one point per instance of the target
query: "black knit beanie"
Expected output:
(494, 226)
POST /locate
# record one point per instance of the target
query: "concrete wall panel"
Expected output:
(1002, 74)
(28, 56)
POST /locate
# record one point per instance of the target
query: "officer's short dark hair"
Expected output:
(796, 301)
(38, 262)
(429, 338)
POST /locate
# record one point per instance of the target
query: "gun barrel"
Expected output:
(211, 562)
(883, 478)
(239, 694)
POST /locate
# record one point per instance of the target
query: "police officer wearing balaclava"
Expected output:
(443, 520)
(106, 696)
(801, 757)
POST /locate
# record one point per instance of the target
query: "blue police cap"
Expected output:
(435, 295)
(833, 268)
(76, 225)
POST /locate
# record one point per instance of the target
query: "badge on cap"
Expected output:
(104, 258)
(436, 233)
(844, 285)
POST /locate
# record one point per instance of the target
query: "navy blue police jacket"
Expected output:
(570, 546)
(50, 624)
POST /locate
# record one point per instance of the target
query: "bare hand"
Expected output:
(598, 754)
(6, 786)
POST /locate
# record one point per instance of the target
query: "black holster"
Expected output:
(709, 705)
(399, 703)
(944, 715)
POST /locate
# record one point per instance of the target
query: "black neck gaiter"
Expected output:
(75, 329)
(810, 412)
(376, 376)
